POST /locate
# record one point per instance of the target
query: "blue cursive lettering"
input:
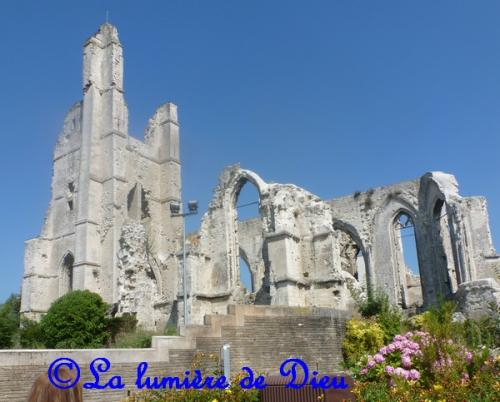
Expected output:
(102, 365)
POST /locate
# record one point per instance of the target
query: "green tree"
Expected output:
(9, 321)
(30, 334)
(76, 320)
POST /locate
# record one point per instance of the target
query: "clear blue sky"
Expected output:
(334, 96)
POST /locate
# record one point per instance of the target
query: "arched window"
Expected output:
(66, 274)
(361, 269)
(352, 257)
(247, 209)
(407, 254)
(247, 202)
(246, 275)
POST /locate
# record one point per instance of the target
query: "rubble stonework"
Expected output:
(109, 229)
(105, 182)
(311, 252)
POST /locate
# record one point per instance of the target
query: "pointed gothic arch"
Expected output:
(66, 275)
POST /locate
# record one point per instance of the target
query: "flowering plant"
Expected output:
(413, 354)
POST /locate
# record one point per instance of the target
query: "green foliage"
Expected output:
(362, 337)
(454, 361)
(9, 321)
(76, 320)
(7, 332)
(10, 309)
(439, 320)
(171, 329)
(376, 302)
(138, 339)
(417, 322)
(484, 386)
(126, 323)
(30, 334)
(485, 331)
(387, 316)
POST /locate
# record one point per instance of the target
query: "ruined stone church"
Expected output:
(109, 228)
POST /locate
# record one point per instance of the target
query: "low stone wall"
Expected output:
(260, 337)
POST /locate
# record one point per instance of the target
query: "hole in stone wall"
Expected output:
(360, 268)
(408, 243)
(408, 249)
(246, 275)
(137, 203)
(69, 196)
(247, 207)
(247, 202)
(351, 257)
(144, 205)
(67, 273)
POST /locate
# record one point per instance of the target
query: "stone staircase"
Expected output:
(261, 337)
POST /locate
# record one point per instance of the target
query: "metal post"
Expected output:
(226, 361)
(184, 273)
(175, 211)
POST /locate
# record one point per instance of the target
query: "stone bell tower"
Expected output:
(108, 228)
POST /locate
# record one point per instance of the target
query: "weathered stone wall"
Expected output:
(304, 251)
(109, 228)
(104, 181)
(260, 337)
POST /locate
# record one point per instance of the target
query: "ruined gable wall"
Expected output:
(293, 245)
(96, 167)
(44, 255)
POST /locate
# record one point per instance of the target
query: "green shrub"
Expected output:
(7, 332)
(171, 329)
(10, 309)
(438, 320)
(76, 320)
(9, 321)
(126, 323)
(362, 337)
(376, 302)
(138, 339)
(389, 318)
(485, 331)
(30, 334)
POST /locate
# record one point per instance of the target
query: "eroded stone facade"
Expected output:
(306, 251)
(109, 228)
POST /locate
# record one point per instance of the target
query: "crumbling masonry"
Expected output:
(109, 228)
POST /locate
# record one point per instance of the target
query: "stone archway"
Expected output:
(66, 282)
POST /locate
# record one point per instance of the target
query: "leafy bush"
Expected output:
(362, 337)
(7, 332)
(126, 323)
(138, 339)
(435, 362)
(76, 320)
(9, 321)
(485, 331)
(376, 302)
(30, 334)
(387, 316)
(171, 329)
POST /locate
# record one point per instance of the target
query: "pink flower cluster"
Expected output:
(407, 348)
(404, 348)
